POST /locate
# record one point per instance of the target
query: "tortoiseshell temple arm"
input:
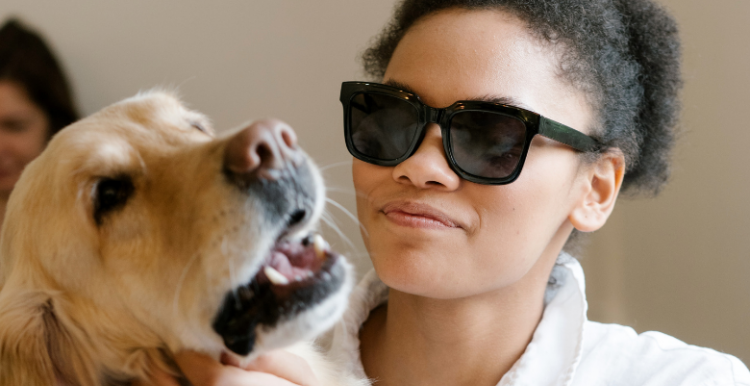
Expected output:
(569, 136)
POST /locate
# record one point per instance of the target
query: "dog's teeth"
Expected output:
(320, 246)
(297, 278)
(275, 276)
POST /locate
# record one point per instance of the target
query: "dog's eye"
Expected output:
(111, 194)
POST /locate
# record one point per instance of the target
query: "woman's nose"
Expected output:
(428, 167)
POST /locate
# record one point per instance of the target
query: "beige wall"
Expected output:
(679, 263)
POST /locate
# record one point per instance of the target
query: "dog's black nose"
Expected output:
(262, 150)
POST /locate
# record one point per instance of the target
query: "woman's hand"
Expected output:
(277, 368)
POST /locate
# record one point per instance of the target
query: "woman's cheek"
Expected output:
(365, 180)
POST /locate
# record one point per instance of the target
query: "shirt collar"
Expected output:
(551, 357)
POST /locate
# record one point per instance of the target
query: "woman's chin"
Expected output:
(423, 275)
(444, 270)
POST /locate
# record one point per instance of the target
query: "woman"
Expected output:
(466, 215)
(35, 102)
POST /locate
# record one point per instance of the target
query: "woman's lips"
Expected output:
(417, 215)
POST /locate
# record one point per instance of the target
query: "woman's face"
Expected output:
(433, 234)
(23, 133)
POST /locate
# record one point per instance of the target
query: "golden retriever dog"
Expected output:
(137, 233)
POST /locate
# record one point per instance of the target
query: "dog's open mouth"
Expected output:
(294, 277)
(294, 265)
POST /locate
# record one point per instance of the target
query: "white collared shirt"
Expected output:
(567, 349)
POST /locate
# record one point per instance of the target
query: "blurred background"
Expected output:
(679, 263)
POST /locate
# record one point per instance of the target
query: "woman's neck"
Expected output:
(415, 340)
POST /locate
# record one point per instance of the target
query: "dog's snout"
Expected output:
(265, 163)
(263, 150)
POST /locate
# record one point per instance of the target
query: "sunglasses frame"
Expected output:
(534, 123)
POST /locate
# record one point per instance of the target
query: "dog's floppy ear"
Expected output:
(35, 347)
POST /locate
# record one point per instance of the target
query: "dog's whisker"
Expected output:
(234, 283)
(335, 164)
(330, 220)
(346, 191)
(180, 281)
(178, 87)
(340, 190)
(348, 214)
(142, 162)
(331, 224)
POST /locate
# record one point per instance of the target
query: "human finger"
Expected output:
(285, 365)
(202, 370)
(158, 378)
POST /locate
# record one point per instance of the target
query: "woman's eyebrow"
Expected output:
(503, 100)
(400, 85)
(508, 101)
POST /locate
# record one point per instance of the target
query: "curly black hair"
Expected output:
(624, 54)
(28, 62)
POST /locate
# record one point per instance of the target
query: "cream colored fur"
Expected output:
(83, 304)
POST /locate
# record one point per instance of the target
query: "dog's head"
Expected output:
(137, 229)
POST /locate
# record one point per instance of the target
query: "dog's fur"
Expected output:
(88, 298)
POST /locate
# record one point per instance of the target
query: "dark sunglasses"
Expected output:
(485, 142)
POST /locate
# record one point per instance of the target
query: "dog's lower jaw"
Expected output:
(308, 275)
(306, 324)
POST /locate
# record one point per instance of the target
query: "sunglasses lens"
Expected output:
(487, 144)
(381, 126)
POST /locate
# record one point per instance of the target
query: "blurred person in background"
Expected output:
(35, 102)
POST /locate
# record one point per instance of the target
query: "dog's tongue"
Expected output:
(293, 262)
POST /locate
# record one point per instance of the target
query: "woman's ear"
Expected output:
(602, 182)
